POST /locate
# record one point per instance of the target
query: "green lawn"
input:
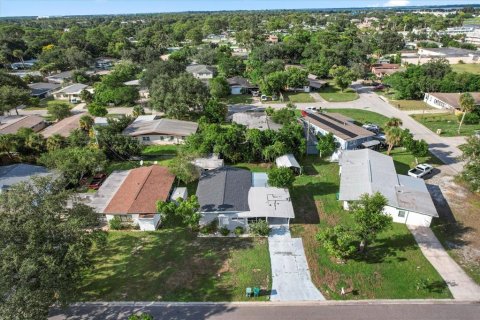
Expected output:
(334, 94)
(301, 97)
(410, 105)
(176, 265)
(404, 160)
(394, 265)
(467, 67)
(362, 116)
(447, 122)
(156, 150)
(239, 99)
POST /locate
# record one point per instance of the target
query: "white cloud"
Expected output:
(397, 3)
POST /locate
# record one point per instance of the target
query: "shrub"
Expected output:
(115, 223)
(339, 241)
(210, 228)
(281, 177)
(224, 231)
(238, 231)
(260, 228)
(470, 118)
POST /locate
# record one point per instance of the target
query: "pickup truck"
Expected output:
(420, 170)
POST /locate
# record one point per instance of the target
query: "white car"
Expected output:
(420, 170)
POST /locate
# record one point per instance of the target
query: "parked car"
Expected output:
(375, 128)
(264, 97)
(97, 181)
(312, 108)
(380, 87)
(420, 170)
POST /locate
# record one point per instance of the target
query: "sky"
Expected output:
(10, 8)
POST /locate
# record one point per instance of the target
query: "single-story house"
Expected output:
(151, 130)
(63, 127)
(384, 69)
(240, 85)
(61, 77)
(314, 83)
(348, 135)
(12, 124)
(25, 64)
(208, 163)
(20, 172)
(255, 120)
(132, 195)
(144, 93)
(201, 71)
(105, 63)
(43, 90)
(72, 92)
(451, 101)
(368, 171)
(238, 197)
(288, 161)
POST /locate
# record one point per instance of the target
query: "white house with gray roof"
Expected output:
(201, 71)
(72, 92)
(151, 130)
(367, 171)
(237, 197)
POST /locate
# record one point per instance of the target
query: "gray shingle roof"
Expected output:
(16, 173)
(224, 189)
(162, 127)
(42, 87)
(368, 171)
(73, 89)
(200, 68)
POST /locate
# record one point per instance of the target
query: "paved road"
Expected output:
(460, 284)
(291, 279)
(299, 311)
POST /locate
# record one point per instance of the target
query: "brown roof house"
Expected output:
(384, 69)
(12, 124)
(450, 101)
(132, 195)
(63, 127)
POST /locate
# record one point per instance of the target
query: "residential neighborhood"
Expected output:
(203, 162)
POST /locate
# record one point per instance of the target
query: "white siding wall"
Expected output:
(436, 103)
(145, 224)
(160, 139)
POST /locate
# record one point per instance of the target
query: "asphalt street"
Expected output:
(299, 311)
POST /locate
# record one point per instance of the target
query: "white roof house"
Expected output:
(367, 171)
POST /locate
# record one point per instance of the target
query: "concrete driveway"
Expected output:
(291, 279)
(460, 284)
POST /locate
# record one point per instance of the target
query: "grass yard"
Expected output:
(467, 67)
(239, 99)
(394, 267)
(334, 94)
(362, 116)
(404, 160)
(254, 167)
(176, 265)
(447, 122)
(410, 105)
(156, 150)
(301, 97)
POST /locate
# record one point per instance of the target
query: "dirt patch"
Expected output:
(459, 226)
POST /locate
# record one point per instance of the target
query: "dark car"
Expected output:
(379, 87)
(97, 181)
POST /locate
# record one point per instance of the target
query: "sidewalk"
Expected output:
(291, 279)
(460, 284)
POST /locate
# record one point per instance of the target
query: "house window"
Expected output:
(125, 218)
(223, 221)
(401, 214)
(146, 138)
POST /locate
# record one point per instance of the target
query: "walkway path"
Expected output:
(460, 284)
(290, 274)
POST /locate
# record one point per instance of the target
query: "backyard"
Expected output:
(334, 94)
(447, 122)
(176, 265)
(393, 266)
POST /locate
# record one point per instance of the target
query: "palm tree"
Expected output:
(86, 122)
(467, 104)
(393, 122)
(55, 142)
(19, 55)
(138, 111)
(8, 144)
(393, 137)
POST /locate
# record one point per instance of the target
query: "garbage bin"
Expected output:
(439, 131)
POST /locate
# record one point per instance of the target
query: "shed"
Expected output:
(288, 161)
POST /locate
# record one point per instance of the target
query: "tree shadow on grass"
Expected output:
(386, 248)
(306, 210)
(169, 265)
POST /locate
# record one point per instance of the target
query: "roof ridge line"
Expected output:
(141, 186)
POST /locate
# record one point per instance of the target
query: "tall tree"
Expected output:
(393, 137)
(467, 104)
(12, 98)
(45, 248)
(471, 155)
